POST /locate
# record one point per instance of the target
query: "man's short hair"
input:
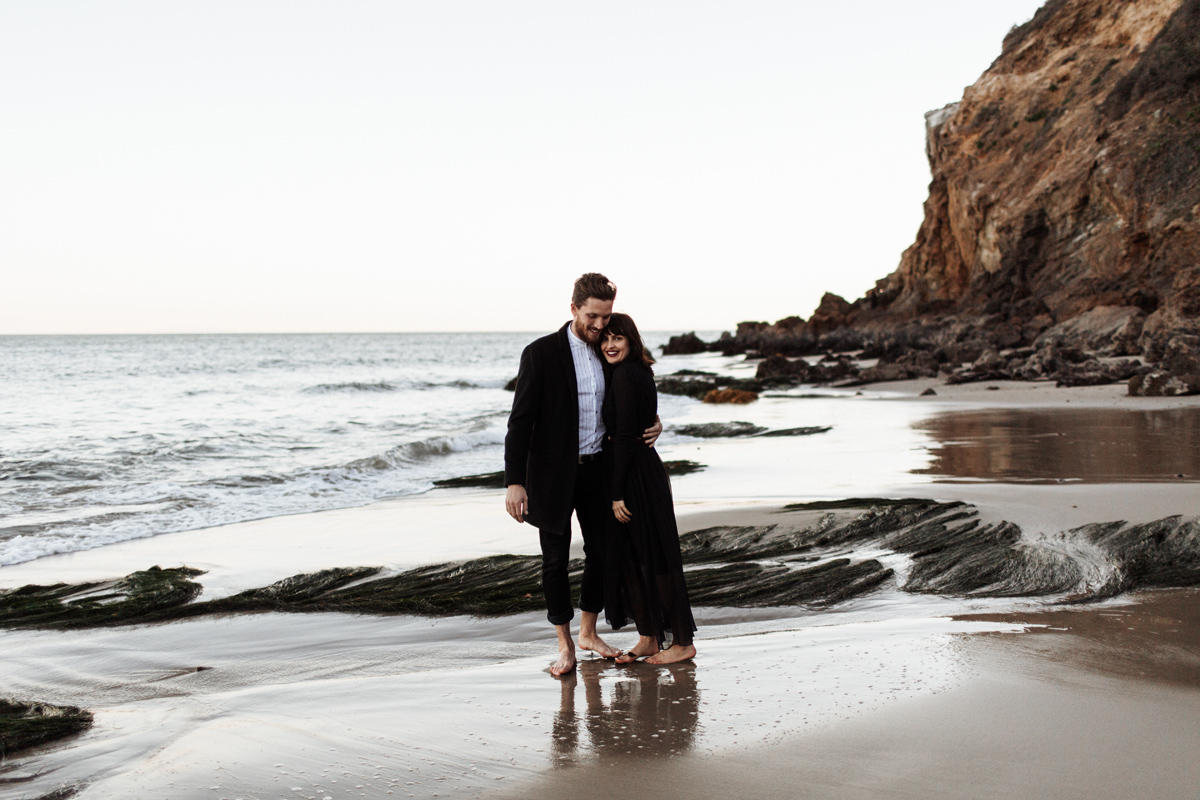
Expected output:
(593, 284)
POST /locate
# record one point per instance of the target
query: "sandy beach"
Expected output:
(290, 306)
(890, 693)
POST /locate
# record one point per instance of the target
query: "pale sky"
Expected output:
(447, 165)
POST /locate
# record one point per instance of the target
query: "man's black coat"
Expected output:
(541, 449)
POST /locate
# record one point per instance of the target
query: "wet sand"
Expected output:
(891, 694)
(1089, 703)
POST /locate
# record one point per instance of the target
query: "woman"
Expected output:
(644, 575)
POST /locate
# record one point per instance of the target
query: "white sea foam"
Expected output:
(110, 438)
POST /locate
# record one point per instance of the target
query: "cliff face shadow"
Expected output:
(610, 710)
(1093, 445)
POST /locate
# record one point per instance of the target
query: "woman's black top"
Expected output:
(630, 407)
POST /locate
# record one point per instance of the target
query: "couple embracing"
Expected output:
(581, 438)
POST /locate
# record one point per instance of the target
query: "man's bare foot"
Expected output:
(565, 663)
(594, 644)
(673, 654)
(646, 646)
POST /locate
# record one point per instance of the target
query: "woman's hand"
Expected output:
(620, 511)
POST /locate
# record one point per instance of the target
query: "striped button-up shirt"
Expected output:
(589, 377)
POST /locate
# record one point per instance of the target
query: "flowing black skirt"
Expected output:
(644, 570)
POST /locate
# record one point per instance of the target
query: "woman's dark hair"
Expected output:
(623, 325)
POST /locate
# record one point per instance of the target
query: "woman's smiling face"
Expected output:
(615, 348)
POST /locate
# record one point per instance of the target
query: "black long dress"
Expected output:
(644, 574)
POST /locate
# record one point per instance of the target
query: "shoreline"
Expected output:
(1069, 709)
(911, 694)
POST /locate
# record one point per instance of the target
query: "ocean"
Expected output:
(110, 438)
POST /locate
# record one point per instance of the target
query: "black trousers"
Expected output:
(592, 507)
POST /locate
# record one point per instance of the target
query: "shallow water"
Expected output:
(335, 705)
(1094, 445)
(109, 438)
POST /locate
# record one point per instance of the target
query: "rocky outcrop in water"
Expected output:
(488, 480)
(1063, 212)
(723, 430)
(813, 556)
(684, 345)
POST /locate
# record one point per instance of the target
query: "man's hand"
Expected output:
(516, 502)
(620, 511)
(651, 434)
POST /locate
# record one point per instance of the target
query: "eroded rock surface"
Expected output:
(814, 556)
(1063, 214)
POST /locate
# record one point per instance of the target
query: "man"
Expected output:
(553, 461)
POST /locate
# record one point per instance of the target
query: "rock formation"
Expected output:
(1064, 209)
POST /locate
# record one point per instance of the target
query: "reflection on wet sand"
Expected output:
(635, 709)
(1156, 638)
(1094, 445)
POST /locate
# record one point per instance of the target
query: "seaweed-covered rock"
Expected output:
(686, 386)
(26, 724)
(810, 561)
(692, 383)
(488, 480)
(1156, 554)
(135, 597)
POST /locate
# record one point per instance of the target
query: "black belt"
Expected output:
(589, 458)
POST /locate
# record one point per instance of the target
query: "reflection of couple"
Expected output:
(580, 437)
(650, 713)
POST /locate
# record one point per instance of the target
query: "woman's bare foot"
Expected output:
(594, 644)
(646, 646)
(673, 654)
(565, 663)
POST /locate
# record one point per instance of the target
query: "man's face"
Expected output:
(590, 318)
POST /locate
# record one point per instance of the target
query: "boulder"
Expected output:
(1095, 373)
(780, 367)
(1178, 373)
(684, 344)
(1106, 330)
(832, 312)
(882, 373)
(830, 371)
(920, 363)
(719, 430)
(687, 387)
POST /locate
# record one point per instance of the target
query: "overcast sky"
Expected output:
(443, 165)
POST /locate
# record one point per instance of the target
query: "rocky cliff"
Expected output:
(1065, 200)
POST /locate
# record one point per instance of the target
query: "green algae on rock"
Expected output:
(133, 598)
(808, 559)
(488, 480)
(25, 724)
